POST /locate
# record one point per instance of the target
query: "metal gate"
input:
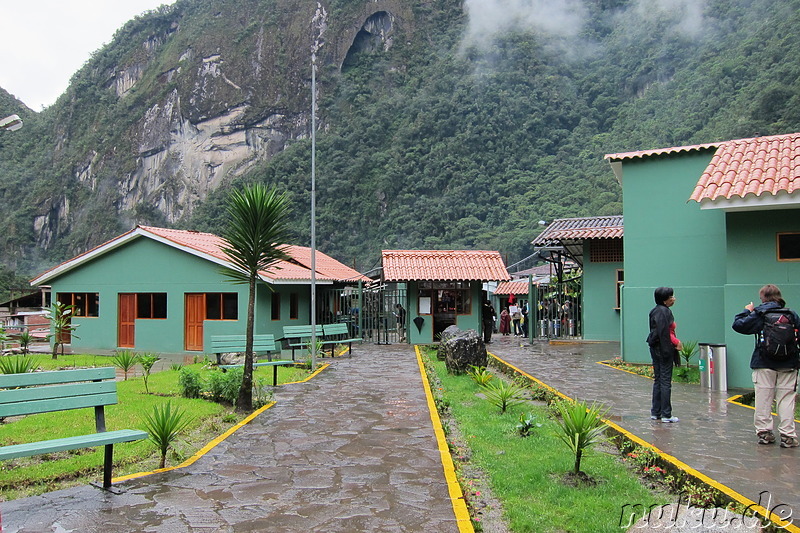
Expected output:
(370, 312)
(557, 313)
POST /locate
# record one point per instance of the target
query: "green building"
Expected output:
(715, 222)
(596, 245)
(444, 287)
(164, 290)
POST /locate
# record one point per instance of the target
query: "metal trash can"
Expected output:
(543, 328)
(705, 369)
(555, 326)
(718, 366)
(571, 324)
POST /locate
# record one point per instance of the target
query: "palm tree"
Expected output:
(258, 229)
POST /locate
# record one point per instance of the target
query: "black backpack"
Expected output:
(778, 339)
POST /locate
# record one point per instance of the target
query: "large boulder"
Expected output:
(462, 349)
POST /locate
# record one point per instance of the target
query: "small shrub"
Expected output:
(526, 425)
(504, 395)
(125, 360)
(164, 424)
(262, 393)
(581, 427)
(175, 367)
(147, 361)
(18, 364)
(480, 375)
(190, 382)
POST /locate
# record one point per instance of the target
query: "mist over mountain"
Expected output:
(441, 123)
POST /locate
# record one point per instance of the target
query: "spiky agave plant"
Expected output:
(581, 427)
(504, 395)
(164, 424)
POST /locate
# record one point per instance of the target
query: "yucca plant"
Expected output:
(25, 340)
(581, 427)
(687, 351)
(18, 364)
(164, 424)
(147, 360)
(125, 360)
(504, 395)
(480, 375)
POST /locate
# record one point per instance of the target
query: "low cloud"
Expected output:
(490, 18)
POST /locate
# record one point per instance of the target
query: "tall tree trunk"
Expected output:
(245, 400)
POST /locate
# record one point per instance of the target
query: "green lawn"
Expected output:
(44, 473)
(527, 474)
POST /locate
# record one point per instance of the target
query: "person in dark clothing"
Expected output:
(488, 317)
(663, 352)
(773, 380)
(400, 316)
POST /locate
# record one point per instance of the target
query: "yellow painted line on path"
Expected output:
(208, 447)
(747, 502)
(453, 487)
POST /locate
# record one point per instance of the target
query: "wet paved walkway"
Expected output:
(714, 437)
(353, 450)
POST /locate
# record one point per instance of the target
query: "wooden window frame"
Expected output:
(81, 311)
(275, 306)
(220, 298)
(778, 246)
(151, 297)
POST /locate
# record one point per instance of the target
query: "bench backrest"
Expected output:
(336, 329)
(300, 332)
(236, 343)
(60, 390)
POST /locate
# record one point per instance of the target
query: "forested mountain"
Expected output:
(441, 123)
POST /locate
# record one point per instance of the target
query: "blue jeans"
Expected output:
(662, 385)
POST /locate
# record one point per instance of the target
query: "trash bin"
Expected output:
(718, 365)
(705, 369)
(571, 323)
(543, 328)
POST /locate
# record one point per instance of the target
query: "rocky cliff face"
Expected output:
(208, 90)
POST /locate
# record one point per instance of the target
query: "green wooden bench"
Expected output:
(61, 390)
(300, 336)
(221, 344)
(273, 364)
(339, 334)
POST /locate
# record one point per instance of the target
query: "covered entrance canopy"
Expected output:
(444, 287)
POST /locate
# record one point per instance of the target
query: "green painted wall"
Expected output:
(752, 263)
(145, 265)
(601, 321)
(671, 242)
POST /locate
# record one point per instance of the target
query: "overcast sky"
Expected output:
(44, 42)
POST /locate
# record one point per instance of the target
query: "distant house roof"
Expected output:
(761, 167)
(660, 151)
(512, 287)
(570, 233)
(209, 246)
(573, 229)
(744, 174)
(443, 265)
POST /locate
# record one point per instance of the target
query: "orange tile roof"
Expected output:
(209, 246)
(563, 229)
(325, 264)
(512, 287)
(443, 265)
(761, 165)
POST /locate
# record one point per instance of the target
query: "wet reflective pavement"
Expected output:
(353, 450)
